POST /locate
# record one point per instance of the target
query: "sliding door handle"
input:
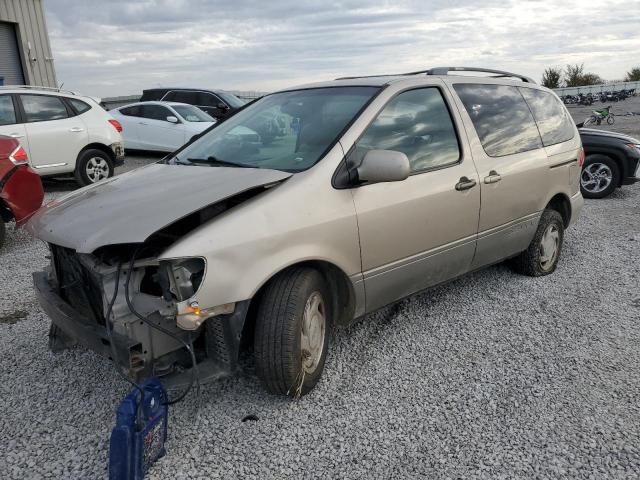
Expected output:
(493, 177)
(16, 135)
(465, 184)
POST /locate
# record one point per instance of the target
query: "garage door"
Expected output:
(10, 65)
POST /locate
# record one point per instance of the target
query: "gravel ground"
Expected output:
(492, 376)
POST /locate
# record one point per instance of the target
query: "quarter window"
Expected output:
(7, 112)
(552, 118)
(501, 118)
(418, 124)
(133, 111)
(79, 105)
(42, 108)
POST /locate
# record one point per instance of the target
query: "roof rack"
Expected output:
(446, 70)
(36, 87)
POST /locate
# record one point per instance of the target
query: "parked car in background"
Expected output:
(160, 126)
(372, 193)
(216, 103)
(21, 191)
(612, 160)
(62, 133)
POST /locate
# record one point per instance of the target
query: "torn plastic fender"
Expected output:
(130, 207)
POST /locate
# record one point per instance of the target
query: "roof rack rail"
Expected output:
(36, 87)
(445, 71)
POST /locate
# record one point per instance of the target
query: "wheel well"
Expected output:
(343, 305)
(561, 204)
(101, 147)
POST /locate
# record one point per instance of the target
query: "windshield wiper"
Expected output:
(211, 160)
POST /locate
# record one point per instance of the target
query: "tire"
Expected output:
(599, 177)
(96, 161)
(534, 261)
(283, 364)
(610, 119)
(3, 231)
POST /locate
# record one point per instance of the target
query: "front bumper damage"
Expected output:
(75, 292)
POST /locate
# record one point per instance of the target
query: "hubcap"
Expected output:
(596, 177)
(549, 246)
(312, 335)
(97, 169)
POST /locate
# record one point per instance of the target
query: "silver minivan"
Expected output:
(373, 189)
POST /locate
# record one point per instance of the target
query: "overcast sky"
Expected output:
(119, 47)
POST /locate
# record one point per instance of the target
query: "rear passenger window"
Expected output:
(501, 118)
(418, 124)
(79, 105)
(183, 97)
(155, 112)
(553, 121)
(42, 108)
(7, 112)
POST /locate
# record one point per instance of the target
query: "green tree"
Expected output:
(633, 75)
(551, 77)
(575, 76)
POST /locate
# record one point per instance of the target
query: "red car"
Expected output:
(21, 191)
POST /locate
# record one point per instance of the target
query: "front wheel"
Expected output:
(92, 166)
(610, 119)
(291, 334)
(542, 255)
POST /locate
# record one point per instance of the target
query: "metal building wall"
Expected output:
(31, 30)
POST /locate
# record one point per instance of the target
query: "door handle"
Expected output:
(16, 135)
(493, 177)
(76, 129)
(465, 184)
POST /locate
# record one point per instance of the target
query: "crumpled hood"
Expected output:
(129, 208)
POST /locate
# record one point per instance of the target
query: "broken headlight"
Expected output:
(184, 277)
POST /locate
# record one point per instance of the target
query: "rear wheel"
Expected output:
(600, 176)
(543, 253)
(92, 166)
(291, 335)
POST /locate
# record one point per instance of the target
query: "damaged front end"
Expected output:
(124, 225)
(77, 289)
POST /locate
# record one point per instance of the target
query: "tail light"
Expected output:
(19, 156)
(116, 124)
(581, 157)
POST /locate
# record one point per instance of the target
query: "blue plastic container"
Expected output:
(135, 447)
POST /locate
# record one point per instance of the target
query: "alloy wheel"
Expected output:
(596, 177)
(97, 169)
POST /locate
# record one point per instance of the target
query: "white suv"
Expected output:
(62, 132)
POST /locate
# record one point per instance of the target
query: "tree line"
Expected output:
(575, 76)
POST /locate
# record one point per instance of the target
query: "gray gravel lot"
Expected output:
(493, 376)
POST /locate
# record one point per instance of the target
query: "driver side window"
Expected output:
(418, 124)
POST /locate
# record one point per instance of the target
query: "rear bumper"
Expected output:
(22, 193)
(577, 202)
(80, 329)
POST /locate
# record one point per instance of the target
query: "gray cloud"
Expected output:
(119, 47)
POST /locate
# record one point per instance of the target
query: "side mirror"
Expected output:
(172, 119)
(384, 166)
(222, 106)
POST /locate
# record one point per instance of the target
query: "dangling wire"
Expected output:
(194, 371)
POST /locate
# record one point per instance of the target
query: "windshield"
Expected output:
(285, 131)
(192, 114)
(231, 99)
